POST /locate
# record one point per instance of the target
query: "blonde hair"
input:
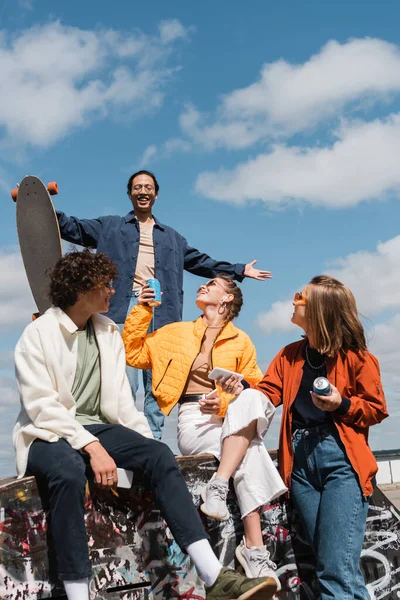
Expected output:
(332, 317)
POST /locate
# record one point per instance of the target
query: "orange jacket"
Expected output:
(171, 350)
(357, 377)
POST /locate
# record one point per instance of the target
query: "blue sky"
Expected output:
(273, 130)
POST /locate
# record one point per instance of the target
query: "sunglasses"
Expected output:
(109, 285)
(298, 297)
(212, 283)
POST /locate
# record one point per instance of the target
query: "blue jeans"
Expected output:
(328, 497)
(151, 411)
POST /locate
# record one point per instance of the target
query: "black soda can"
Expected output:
(154, 284)
(322, 386)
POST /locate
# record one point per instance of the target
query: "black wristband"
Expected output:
(344, 407)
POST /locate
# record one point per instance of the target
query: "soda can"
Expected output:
(322, 386)
(154, 284)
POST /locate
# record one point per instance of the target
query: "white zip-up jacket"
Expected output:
(45, 363)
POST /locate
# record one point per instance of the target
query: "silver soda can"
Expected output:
(321, 386)
(154, 284)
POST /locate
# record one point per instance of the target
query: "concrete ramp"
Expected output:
(134, 556)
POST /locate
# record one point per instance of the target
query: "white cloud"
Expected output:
(6, 360)
(364, 163)
(288, 98)
(165, 150)
(295, 96)
(277, 318)
(177, 144)
(16, 301)
(360, 269)
(147, 155)
(385, 344)
(356, 270)
(5, 184)
(172, 29)
(233, 134)
(65, 77)
(9, 408)
(9, 394)
(8, 412)
(16, 308)
(26, 4)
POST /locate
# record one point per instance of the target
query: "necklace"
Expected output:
(310, 364)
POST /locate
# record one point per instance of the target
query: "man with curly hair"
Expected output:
(144, 248)
(77, 404)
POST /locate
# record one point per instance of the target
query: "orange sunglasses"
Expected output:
(298, 297)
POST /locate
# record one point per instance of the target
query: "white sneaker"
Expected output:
(256, 562)
(214, 498)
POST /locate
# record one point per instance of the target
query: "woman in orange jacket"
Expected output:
(324, 455)
(181, 356)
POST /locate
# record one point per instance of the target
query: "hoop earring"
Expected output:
(222, 308)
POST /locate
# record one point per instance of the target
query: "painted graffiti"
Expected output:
(134, 556)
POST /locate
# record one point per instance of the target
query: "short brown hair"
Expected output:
(79, 272)
(233, 307)
(332, 317)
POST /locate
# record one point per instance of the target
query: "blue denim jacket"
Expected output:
(118, 237)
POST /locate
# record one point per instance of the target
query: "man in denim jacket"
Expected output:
(144, 248)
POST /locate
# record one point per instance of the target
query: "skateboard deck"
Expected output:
(38, 235)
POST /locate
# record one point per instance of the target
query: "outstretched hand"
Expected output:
(250, 271)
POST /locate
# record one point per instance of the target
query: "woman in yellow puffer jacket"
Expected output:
(181, 356)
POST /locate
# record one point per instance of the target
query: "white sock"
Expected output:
(205, 561)
(77, 589)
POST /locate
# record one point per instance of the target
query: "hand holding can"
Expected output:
(154, 285)
(325, 395)
(321, 386)
(146, 295)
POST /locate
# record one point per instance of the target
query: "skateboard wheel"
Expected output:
(52, 188)
(14, 194)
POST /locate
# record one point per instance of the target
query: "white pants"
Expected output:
(256, 480)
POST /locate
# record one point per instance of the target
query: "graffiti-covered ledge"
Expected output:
(135, 557)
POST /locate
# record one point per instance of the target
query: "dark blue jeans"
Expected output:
(60, 473)
(327, 494)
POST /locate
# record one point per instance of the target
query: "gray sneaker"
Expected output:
(214, 498)
(256, 562)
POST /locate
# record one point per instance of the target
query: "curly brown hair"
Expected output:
(79, 272)
(233, 308)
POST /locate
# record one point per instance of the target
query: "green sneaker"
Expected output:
(230, 585)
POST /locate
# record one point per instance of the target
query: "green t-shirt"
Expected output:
(87, 382)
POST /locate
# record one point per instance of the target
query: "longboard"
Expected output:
(38, 235)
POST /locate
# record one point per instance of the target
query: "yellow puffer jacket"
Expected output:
(171, 350)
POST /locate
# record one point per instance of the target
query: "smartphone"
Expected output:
(125, 478)
(217, 372)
